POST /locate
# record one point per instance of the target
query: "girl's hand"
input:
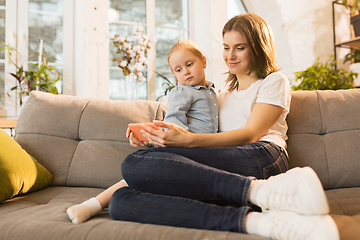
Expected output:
(175, 136)
(134, 142)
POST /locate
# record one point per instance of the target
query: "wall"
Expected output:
(205, 31)
(302, 30)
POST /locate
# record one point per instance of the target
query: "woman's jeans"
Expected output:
(204, 188)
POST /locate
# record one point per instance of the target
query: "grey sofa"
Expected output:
(82, 142)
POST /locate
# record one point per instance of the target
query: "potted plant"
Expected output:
(354, 58)
(324, 77)
(354, 6)
(36, 78)
(169, 85)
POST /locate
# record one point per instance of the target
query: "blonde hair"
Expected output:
(260, 42)
(187, 44)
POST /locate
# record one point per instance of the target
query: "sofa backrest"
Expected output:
(81, 141)
(324, 133)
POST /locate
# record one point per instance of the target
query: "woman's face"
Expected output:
(236, 53)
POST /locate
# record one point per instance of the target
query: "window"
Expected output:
(170, 25)
(46, 22)
(124, 16)
(22, 24)
(2, 53)
(235, 7)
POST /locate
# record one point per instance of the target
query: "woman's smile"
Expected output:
(233, 64)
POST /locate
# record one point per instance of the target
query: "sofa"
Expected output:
(82, 143)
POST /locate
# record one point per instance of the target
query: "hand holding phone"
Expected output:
(136, 128)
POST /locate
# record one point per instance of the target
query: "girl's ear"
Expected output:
(204, 62)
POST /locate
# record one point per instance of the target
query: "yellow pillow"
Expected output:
(19, 172)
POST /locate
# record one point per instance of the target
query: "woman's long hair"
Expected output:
(260, 42)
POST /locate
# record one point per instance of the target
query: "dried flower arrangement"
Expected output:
(132, 57)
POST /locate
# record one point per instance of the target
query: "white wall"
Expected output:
(207, 18)
(302, 30)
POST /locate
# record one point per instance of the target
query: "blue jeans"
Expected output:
(204, 188)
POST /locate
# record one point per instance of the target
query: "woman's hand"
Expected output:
(175, 136)
(134, 142)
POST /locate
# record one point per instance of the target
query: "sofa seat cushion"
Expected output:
(344, 201)
(42, 215)
(349, 226)
(345, 209)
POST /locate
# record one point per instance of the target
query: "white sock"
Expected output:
(253, 220)
(82, 212)
(255, 185)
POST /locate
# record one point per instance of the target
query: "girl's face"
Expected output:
(187, 67)
(236, 53)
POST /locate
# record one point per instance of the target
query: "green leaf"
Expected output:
(323, 76)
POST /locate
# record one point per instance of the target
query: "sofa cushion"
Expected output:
(81, 141)
(344, 201)
(19, 172)
(345, 209)
(348, 226)
(324, 133)
(42, 215)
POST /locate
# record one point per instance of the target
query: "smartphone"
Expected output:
(136, 127)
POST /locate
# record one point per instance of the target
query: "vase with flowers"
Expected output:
(132, 59)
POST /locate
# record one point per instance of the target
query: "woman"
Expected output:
(174, 183)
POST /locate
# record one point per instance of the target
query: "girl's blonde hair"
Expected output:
(188, 45)
(260, 42)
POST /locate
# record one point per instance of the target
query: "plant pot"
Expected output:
(355, 21)
(355, 67)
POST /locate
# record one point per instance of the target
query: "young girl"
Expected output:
(171, 184)
(192, 105)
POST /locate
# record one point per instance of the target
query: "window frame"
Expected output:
(17, 36)
(151, 55)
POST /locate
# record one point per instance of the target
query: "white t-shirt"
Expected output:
(236, 106)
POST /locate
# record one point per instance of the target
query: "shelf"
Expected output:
(8, 124)
(353, 43)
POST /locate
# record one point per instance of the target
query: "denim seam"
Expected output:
(241, 223)
(245, 193)
(251, 146)
(134, 154)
